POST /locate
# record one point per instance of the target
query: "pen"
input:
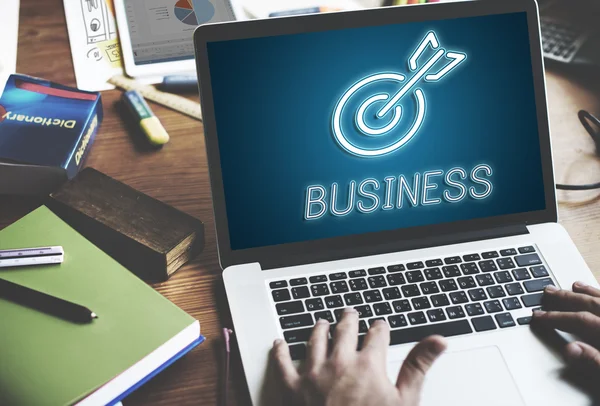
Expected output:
(148, 122)
(45, 303)
(179, 84)
(226, 337)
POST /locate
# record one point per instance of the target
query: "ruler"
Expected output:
(172, 101)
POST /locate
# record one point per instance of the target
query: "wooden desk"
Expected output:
(178, 175)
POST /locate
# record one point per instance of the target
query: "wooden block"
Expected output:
(150, 238)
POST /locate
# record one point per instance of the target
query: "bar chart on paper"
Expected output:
(194, 12)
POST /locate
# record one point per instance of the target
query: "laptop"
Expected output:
(398, 161)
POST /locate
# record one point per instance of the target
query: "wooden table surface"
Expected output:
(178, 175)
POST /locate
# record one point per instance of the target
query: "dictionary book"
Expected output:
(46, 132)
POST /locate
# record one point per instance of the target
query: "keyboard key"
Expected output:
(485, 279)
(372, 321)
(514, 289)
(376, 282)
(391, 293)
(511, 303)
(358, 273)
(458, 297)
(334, 301)
(490, 255)
(314, 304)
(298, 352)
(339, 287)
(318, 279)
(539, 271)
(415, 265)
(336, 276)
(505, 263)
(495, 292)
(396, 279)
(296, 336)
(448, 285)
(484, 323)
(338, 313)
(377, 271)
(397, 321)
(298, 281)
(362, 327)
(524, 320)
(433, 274)
(420, 303)
(440, 300)
(466, 282)
(503, 277)
(493, 306)
(526, 250)
(414, 334)
(469, 268)
(537, 285)
(358, 284)
(289, 308)
(300, 292)
(505, 320)
(300, 320)
(278, 284)
(434, 262)
(320, 289)
(326, 314)
(381, 309)
(401, 306)
(488, 265)
(477, 294)
(451, 271)
(410, 290)
(429, 287)
(414, 276)
(509, 252)
(417, 318)
(452, 260)
(352, 299)
(521, 274)
(528, 259)
(364, 311)
(436, 315)
(474, 309)
(396, 268)
(372, 296)
(471, 257)
(281, 295)
(455, 312)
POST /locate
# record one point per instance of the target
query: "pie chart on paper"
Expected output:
(194, 12)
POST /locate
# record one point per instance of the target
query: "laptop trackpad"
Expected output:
(468, 378)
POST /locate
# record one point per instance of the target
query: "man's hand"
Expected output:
(576, 312)
(345, 376)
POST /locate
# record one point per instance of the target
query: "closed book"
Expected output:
(46, 360)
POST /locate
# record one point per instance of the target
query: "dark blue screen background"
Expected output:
(274, 98)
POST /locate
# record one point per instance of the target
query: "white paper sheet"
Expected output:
(9, 36)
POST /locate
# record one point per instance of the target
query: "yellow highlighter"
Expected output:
(149, 123)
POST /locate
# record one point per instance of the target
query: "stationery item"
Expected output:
(31, 256)
(45, 303)
(227, 332)
(9, 32)
(148, 122)
(179, 84)
(137, 334)
(94, 42)
(299, 11)
(264, 8)
(150, 238)
(46, 132)
(172, 101)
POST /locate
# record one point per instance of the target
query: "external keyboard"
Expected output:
(452, 296)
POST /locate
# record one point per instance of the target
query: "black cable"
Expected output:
(587, 119)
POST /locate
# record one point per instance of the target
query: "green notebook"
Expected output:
(45, 360)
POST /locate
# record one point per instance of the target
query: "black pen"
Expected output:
(45, 303)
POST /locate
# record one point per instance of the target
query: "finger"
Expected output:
(345, 337)
(582, 355)
(317, 345)
(417, 363)
(283, 360)
(377, 341)
(581, 287)
(584, 324)
(567, 301)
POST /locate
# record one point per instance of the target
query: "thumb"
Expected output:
(583, 355)
(415, 366)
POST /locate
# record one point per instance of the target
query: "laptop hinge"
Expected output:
(395, 246)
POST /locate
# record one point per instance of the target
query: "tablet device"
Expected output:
(157, 35)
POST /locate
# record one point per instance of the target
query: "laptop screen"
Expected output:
(345, 132)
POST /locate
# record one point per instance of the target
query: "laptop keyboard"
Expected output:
(462, 294)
